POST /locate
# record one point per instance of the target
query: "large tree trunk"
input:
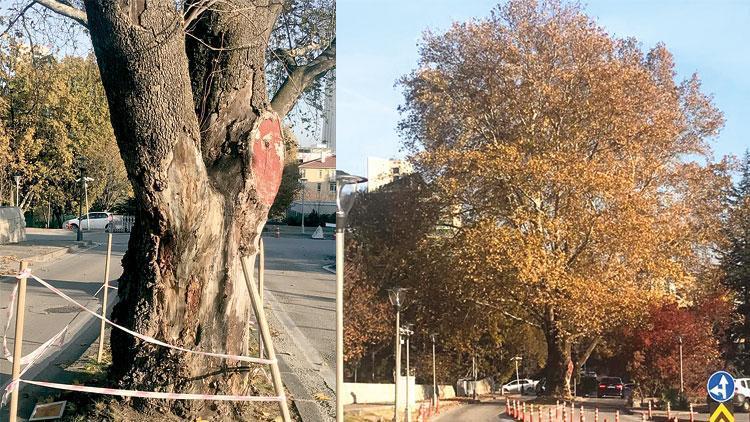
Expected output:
(204, 153)
(558, 369)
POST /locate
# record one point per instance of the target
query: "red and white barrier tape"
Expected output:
(8, 388)
(39, 350)
(152, 394)
(8, 316)
(25, 360)
(102, 288)
(151, 339)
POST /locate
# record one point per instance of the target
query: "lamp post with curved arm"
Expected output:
(344, 204)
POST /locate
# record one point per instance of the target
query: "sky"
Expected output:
(377, 43)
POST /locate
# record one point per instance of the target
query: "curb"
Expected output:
(300, 396)
(299, 339)
(75, 247)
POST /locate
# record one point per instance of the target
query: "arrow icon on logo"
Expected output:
(721, 388)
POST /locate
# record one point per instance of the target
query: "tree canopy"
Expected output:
(579, 168)
(54, 116)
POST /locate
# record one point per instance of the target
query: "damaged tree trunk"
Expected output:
(559, 367)
(204, 153)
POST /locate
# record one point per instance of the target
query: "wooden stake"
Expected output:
(260, 317)
(18, 343)
(261, 284)
(104, 298)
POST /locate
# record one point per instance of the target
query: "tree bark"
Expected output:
(204, 154)
(559, 367)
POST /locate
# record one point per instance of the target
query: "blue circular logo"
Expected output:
(720, 386)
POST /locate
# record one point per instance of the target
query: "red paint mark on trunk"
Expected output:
(268, 158)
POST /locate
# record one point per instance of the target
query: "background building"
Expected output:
(381, 171)
(318, 177)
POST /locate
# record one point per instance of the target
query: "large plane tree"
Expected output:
(579, 168)
(188, 90)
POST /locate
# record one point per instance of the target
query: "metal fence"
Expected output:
(122, 223)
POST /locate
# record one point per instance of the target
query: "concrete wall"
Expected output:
(12, 225)
(466, 387)
(384, 393)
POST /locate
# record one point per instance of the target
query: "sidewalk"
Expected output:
(607, 408)
(377, 412)
(41, 245)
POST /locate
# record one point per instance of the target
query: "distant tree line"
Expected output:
(53, 121)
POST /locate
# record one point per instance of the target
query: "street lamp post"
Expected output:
(17, 178)
(396, 295)
(86, 181)
(407, 332)
(82, 179)
(517, 359)
(682, 384)
(434, 373)
(343, 205)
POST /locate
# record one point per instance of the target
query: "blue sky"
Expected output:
(377, 43)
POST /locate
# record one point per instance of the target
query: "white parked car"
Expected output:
(100, 220)
(742, 393)
(523, 386)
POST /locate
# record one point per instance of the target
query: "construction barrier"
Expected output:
(18, 302)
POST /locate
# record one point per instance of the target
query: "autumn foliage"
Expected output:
(578, 166)
(368, 315)
(652, 350)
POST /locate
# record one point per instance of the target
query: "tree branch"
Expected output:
(63, 9)
(581, 360)
(301, 77)
(508, 314)
(18, 16)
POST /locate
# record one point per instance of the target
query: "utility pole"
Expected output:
(682, 384)
(408, 375)
(17, 178)
(474, 375)
(434, 373)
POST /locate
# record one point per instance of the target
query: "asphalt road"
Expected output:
(300, 295)
(479, 412)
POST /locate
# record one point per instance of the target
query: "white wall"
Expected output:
(466, 387)
(384, 393)
(12, 225)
